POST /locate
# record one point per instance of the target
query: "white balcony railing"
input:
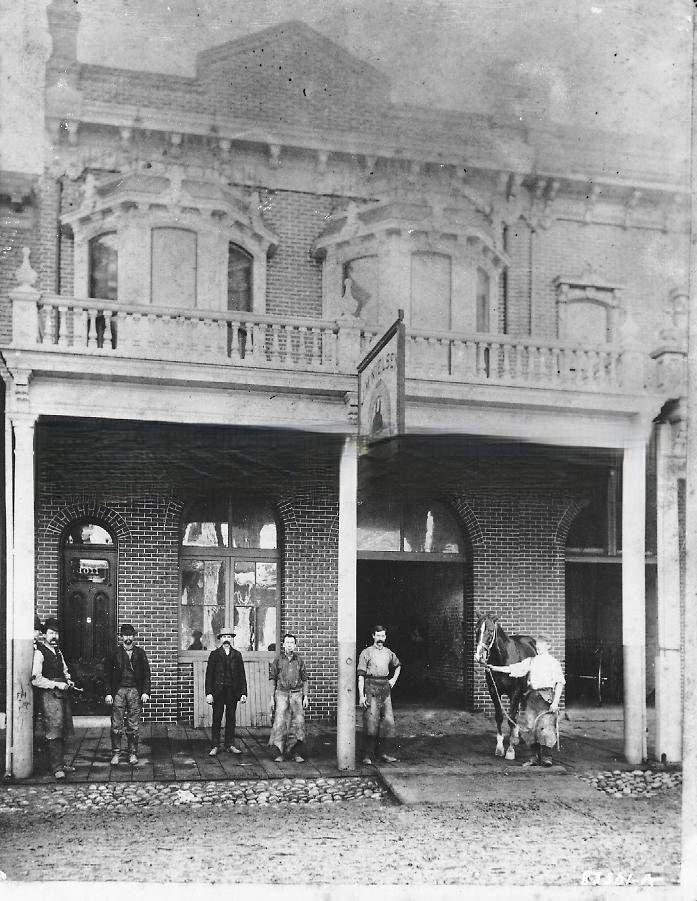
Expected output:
(192, 336)
(253, 340)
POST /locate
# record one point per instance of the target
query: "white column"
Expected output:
(21, 618)
(346, 696)
(668, 668)
(633, 601)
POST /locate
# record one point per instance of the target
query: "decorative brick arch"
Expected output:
(88, 509)
(562, 530)
(468, 519)
(173, 515)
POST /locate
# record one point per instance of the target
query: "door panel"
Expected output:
(255, 713)
(89, 622)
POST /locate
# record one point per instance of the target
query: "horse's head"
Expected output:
(485, 636)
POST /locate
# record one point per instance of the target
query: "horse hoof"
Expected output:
(510, 753)
(499, 751)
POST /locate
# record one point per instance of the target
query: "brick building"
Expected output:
(209, 258)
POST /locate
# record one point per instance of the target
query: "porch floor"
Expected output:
(429, 741)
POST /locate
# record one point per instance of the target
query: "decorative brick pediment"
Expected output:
(289, 71)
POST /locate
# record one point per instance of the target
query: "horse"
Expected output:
(499, 649)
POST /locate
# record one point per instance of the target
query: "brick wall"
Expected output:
(117, 478)
(294, 276)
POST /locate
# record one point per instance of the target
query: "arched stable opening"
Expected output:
(414, 576)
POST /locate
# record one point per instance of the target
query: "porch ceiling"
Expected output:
(203, 456)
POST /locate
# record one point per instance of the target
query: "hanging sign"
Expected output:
(381, 386)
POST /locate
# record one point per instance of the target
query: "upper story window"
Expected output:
(190, 240)
(442, 264)
(103, 266)
(174, 266)
(239, 278)
(361, 280)
(483, 300)
(431, 276)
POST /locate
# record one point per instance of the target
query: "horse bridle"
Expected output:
(491, 643)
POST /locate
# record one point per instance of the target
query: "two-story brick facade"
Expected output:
(209, 259)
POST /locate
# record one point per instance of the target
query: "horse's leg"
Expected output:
(514, 737)
(498, 713)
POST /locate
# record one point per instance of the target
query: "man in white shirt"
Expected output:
(540, 706)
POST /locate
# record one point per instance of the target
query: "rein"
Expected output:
(511, 722)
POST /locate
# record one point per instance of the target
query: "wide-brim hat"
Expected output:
(52, 623)
(127, 629)
(227, 630)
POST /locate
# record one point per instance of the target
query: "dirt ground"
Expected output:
(548, 842)
(549, 831)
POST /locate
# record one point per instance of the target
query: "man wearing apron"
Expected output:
(378, 670)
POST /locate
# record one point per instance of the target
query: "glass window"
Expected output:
(207, 525)
(239, 279)
(103, 266)
(430, 291)
(173, 267)
(88, 533)
(424, 527)
(255, 599)
(203, 601)
(89, 570)
(240, 536)
(361, 279)
(483, 289)
(379, 525)
(429, 529)
(252, 524)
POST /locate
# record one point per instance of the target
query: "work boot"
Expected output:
(115, 748)
(546, 758)
(133, 750)
(534, 756)
(55, 757)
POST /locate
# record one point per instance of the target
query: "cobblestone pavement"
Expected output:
(210, 832)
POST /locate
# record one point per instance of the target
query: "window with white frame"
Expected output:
(174, 265)
(103, 266)
(431, 278)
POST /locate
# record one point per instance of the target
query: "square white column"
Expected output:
(346, 689)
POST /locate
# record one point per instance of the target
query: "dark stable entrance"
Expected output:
(88, 622)
(420, 603)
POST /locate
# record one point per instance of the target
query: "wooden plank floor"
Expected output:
(172, 752)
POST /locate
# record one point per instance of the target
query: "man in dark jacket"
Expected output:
(226, 684)
(128, 688)
(51, 677)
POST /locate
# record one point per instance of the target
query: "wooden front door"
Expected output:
(89, 622)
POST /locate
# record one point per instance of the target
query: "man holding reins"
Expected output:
(540, 705)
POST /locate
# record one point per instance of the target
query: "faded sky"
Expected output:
(622, 65)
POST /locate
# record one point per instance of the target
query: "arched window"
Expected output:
(360, 277)
(239, 278)
(103, 266)
(229, 574)
(430, 291)
(389, 527)
(174, 267)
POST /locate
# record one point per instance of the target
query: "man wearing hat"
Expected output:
(540, 705)
(127, 680)
(226, 684)
(51, 677)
